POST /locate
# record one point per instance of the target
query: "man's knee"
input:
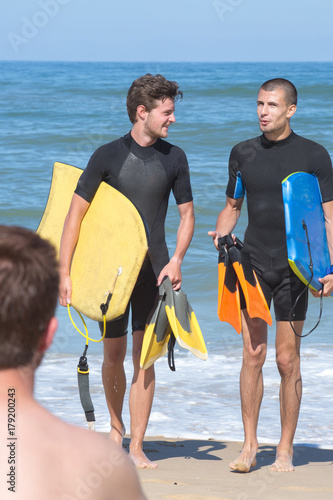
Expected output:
(255, 355)
(136, 352)
(137, 345)
(113, 357)
(287, 363)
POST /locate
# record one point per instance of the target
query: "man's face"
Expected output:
(274, 114)
(160, 118)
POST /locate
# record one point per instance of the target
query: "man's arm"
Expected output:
(69, 238)
(184, 237)
(227, 219)
(327, 281)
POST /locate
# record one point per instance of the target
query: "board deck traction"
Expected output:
(113, 236)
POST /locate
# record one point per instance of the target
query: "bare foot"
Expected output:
(141, 461)
(283, 463)
(117, 435)
(244, 462)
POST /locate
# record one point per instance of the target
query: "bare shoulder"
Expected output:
(107, 470)
(59, 461)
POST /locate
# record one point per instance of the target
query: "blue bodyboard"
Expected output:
(302, 202)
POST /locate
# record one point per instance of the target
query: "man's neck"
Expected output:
(141, 138)
(21, 379)
(278, 136)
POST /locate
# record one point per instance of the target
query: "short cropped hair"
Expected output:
(148, 89)
(29, 283)
(288, 88)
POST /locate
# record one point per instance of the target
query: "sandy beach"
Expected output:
(199, 470)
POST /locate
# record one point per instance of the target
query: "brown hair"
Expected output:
(148, 89)
(29, 284)
(288, 88)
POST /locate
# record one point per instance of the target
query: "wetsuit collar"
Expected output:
(266, 143)
(140, 151)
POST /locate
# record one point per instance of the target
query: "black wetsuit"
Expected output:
(146, 176)
(257, 168)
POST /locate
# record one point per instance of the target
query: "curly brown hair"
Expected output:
(148, 89)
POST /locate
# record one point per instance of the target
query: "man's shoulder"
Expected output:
(114, 150)
(166, 147)
(93, 452)
(70, 458)
(309, 143)
(98, 444)
(250, 140)
(246, 147)
(64, 433)
(110, 463)
(114, 144)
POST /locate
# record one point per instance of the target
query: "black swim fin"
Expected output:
(228, 305)
(183, 321)
(172, 319)
(157, 333)
(256, 303)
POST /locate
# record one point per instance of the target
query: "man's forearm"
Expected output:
(184, 236)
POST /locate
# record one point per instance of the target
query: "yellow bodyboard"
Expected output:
(113, 239)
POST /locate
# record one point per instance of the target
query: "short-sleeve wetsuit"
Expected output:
(146, 176)
(257, 168)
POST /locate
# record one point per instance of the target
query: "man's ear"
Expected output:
(141, 112)
(48, 335)
(291, 110)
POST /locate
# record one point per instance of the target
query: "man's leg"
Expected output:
(288, 362)
(251, 387)
(114, 381)
(140, 401)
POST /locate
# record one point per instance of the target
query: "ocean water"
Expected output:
(63, 112)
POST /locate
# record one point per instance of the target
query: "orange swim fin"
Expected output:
(256, 303)
(228, 308)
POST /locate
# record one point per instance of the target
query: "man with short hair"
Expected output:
(41, 456)
(257, 167)
(145, 168)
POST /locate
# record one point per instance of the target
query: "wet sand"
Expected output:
(199, 470)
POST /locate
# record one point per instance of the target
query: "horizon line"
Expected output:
(161, 62)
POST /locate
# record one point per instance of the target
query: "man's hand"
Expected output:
(65, 290)
(327, 282)
(172, 269)
(215, 235)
